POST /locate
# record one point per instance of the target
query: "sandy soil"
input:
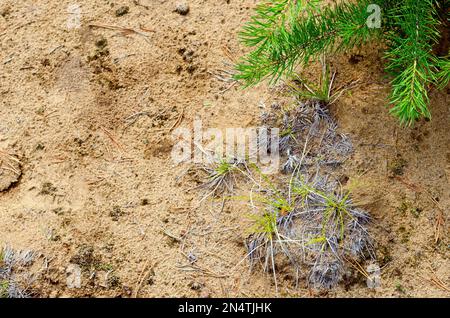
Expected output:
(98, 187)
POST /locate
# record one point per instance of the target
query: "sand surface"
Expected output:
(89, 110)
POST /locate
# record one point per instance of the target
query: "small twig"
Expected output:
(226, 50)
(124, 31)
(139, 283)
(133, 118)
(176, 238)
(436, 281)
(11, 169)
(9, 59)
(139, 4)
(118, 59)
(357, 266)
(55, 48)
(111, 137)
(194, 268)
(342, 89)
(178, 121)
(228, 88)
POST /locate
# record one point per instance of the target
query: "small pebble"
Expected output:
(195, 285)
(122, 11)
(182, 8)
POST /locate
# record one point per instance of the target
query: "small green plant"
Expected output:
(310, 220)
(399, 287)
(223, 167)
(287, 33)
(14, 278)
(264, 229)
(4, 287)
(265, 224)
(444, 74)
(310, 91)
(221, 175)
(336, 209)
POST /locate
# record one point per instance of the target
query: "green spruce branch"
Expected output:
(284, 34)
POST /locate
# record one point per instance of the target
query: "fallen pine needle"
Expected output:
(124, 30)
